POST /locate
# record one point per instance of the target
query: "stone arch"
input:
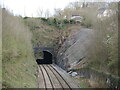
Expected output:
(47, 58)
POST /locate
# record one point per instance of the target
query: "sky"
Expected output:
(30, 7)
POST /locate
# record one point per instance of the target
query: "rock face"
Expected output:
(74, 49)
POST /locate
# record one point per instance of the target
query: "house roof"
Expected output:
(75, 13)
(101, 10)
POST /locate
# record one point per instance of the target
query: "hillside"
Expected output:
(19, 38)
(50, 32)
(42, 34)
(87, 46)
(93, 52)
(18, 62)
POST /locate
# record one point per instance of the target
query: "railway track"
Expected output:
(51, 76)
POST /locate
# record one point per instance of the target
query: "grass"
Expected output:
(84, 83)
(87, 83)
(42, 34)
(20, 75)
(18, 63)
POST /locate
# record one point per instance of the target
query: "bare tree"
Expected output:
(75, 5)
(40, 12)
(58, 13)
(47, 13)
(67, 12)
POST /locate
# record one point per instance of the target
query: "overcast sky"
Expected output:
(30, 7)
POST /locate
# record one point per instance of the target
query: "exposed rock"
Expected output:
(73, 74)
(74, 49)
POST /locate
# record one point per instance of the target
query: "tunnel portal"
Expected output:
(47, 58)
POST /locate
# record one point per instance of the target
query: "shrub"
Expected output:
(72, 21)
(66, 21)
(44, 19)
(25, 17)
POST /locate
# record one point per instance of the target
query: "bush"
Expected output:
(105, 45)
(66, 21)
(55, 21)
(25, 17)
(44, 19)
(103, 53)
(87, 22)
(72, 21)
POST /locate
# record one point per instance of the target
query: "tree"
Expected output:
(58, 13)
(40, 12)
(75, 5)
(47, 13)
(67, 12)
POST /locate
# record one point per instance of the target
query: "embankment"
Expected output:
(74, 55)
(18, 62)
(101, 78)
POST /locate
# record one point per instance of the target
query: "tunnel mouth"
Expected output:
(47, 58)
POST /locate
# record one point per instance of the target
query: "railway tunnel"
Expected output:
(47, 58)
(49, 74)
(44, 55)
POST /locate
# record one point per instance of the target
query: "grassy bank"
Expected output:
(47, 32)
(96, 79)
(42, 34)
(18, 64)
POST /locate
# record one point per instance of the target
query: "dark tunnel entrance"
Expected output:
(47, 58)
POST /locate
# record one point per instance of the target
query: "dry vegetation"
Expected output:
(103, 54)
(48, 32)
(103, 51)
(18, 63)
(42, 34)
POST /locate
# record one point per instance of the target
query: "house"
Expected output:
(103, 12)
(76, 17)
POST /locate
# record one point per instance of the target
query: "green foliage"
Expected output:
(113, 65)
(44, 19)
(25, 17)
(58, 23)
(72, 21)
(66, 21)
(55, 21)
